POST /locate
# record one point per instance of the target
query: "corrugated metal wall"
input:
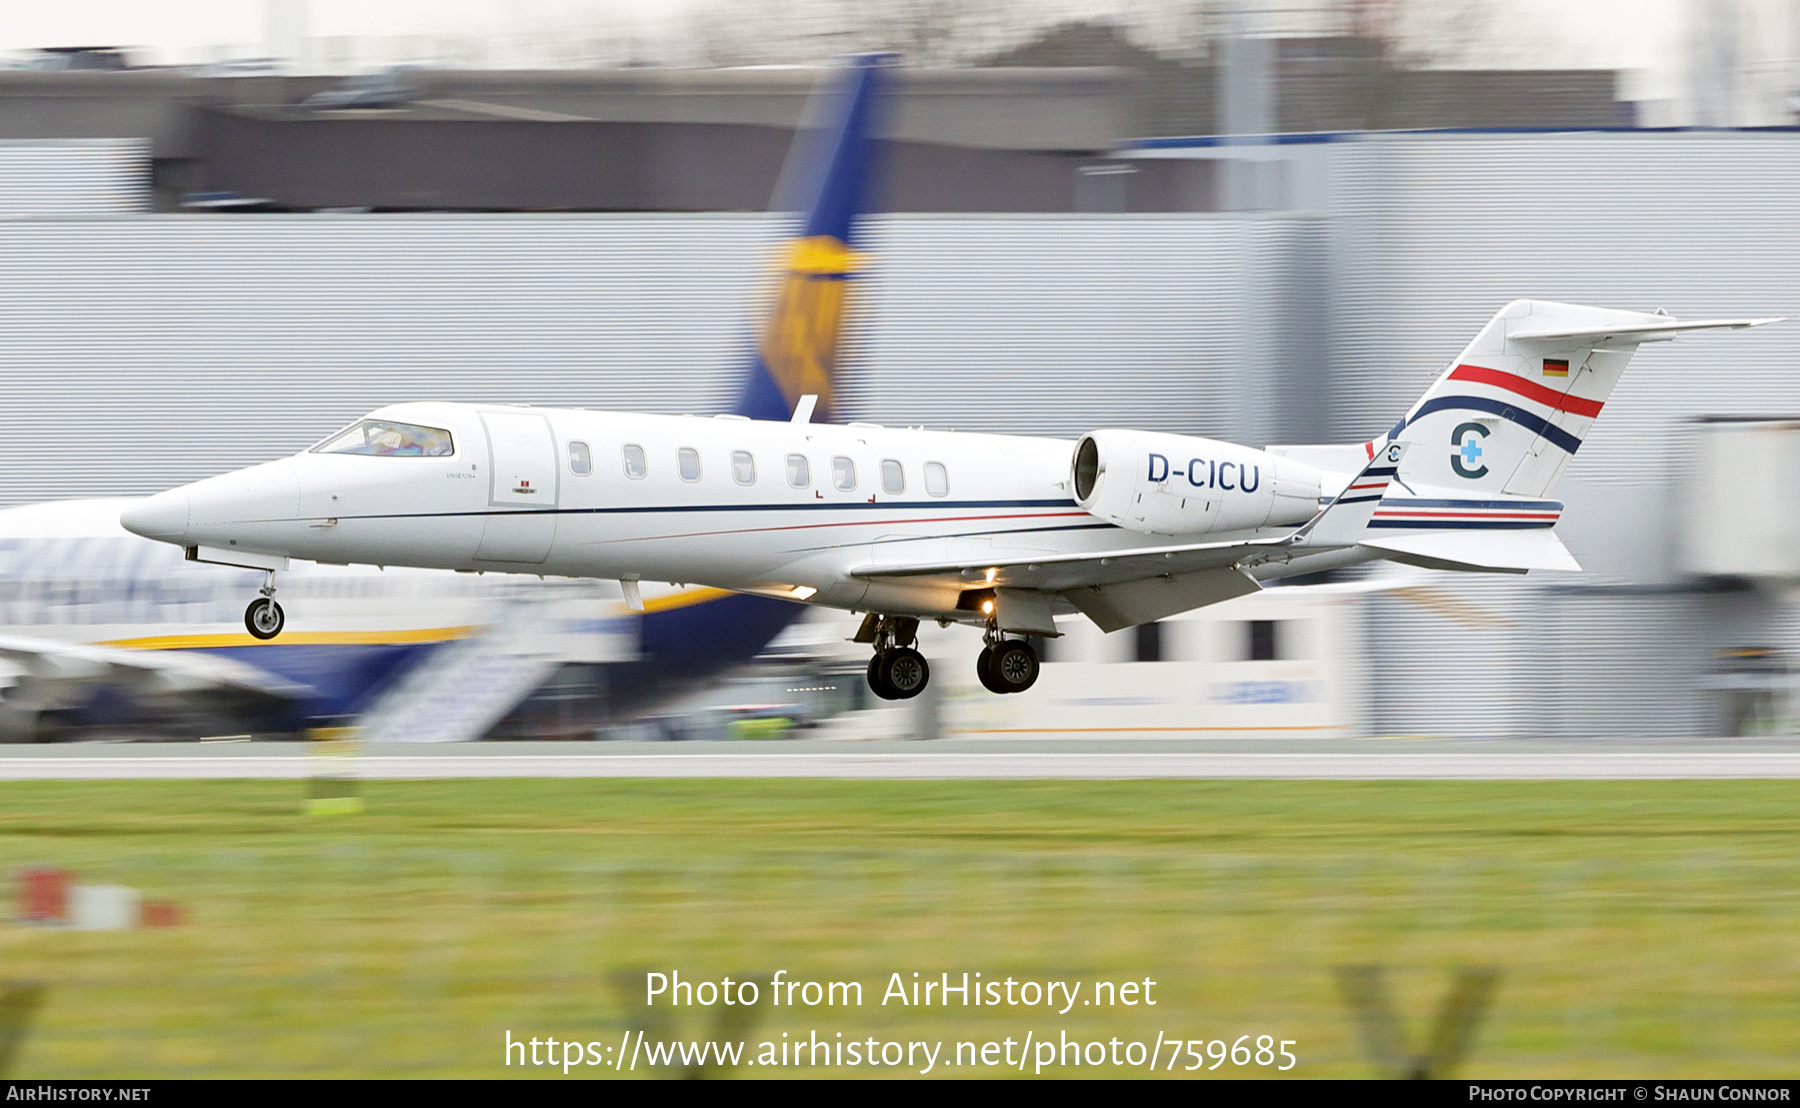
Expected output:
(186, 345)
(1433, 233)
(1437, 232)
(1059, 325)
(74, 176)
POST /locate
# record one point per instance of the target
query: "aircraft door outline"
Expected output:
(522, 463)
(523, 473)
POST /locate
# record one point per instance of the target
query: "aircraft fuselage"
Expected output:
(781, 509)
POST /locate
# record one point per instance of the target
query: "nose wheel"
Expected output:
(897, 671)
(264, 618)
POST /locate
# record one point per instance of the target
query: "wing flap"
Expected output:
(1130, 603)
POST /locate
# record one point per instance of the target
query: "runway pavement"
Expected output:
(1099, 759)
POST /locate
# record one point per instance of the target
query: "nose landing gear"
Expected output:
(264, 618)
(897, 671)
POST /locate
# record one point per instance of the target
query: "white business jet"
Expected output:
(1003, 533)
(1000, 532)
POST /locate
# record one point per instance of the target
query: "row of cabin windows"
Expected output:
(743, 469)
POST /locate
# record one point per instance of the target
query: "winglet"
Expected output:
(1346, 518)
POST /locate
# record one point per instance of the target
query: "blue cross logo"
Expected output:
(1465, 458)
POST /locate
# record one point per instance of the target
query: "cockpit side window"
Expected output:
(386, 439)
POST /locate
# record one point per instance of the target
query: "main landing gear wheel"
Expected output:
(876, 684)
(264, 618)
(899, 673)
(984, 671)
(1013, 666)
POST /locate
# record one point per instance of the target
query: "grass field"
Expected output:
(1641, 928)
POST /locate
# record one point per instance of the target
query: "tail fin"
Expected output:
(1345, 520)
(797, 352)
(1514, 407)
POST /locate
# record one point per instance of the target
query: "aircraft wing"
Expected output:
(49, 673)
(1116, 589)
(1056, 572)
(1123, 588)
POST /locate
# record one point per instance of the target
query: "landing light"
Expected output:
(803, 592)
(987, 607)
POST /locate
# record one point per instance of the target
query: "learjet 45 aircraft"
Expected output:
(1003, 533)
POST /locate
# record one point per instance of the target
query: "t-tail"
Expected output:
(1495, 432)
(798, 348)
(1515, 406)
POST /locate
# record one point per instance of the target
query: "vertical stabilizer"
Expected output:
(797, 349)
(1515, 406)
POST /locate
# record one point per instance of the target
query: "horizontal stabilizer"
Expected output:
(1514, 551)
(1559, 330)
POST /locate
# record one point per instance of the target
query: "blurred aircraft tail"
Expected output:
(833, 177)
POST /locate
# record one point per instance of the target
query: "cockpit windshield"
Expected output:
(386, 439)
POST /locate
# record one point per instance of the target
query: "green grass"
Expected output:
(1643, 928)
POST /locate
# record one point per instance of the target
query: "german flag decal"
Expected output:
(1556, 367)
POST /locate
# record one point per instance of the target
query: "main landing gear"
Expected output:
(1006, 665)
(897, 671)
(264, 618)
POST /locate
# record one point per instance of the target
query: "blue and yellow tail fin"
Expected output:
(797, 351)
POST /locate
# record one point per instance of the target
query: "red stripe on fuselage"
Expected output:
(1531, 390)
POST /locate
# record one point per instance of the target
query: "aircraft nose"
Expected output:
(163, 517)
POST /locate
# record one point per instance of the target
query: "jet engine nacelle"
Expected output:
(1179, 485)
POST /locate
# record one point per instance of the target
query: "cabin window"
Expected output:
(634, 462)
(893, 477)
(743, 467)
(688, 463)
(799, 473)
(937, 479)
(843, 474)
(581, 460)
(384, 438)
